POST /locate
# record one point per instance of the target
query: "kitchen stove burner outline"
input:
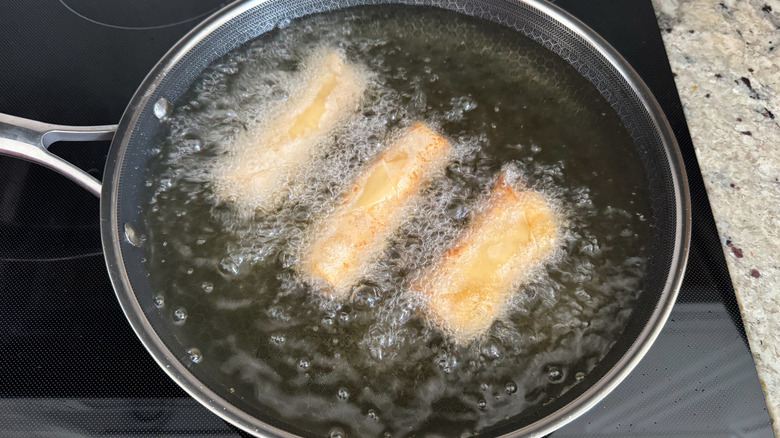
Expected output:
(142, 14)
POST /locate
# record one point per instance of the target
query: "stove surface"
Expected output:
(72, 365)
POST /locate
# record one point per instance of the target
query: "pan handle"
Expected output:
(30, 140)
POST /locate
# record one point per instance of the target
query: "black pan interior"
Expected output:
(584, 57)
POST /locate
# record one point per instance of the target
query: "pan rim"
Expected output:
(111, 232)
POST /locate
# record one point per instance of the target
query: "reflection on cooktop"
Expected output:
(44, 216)
(683, 387)
(167, 416)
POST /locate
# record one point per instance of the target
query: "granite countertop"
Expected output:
(725, 55)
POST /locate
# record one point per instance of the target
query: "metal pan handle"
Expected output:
(30, 140)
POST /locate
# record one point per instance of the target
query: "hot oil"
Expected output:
(371, 365)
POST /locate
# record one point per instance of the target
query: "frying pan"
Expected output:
(120, 191)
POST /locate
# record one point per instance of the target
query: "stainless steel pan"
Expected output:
(242, 21)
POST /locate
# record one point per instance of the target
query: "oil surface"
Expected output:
(371, 365)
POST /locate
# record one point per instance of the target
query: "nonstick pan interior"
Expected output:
(241, 22)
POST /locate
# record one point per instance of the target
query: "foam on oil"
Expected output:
(372, 366)
(281, 138)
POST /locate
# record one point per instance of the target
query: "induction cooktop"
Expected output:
(70, 365)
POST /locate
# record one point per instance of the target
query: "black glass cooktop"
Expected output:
(70, 364)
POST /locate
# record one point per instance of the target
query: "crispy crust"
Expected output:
(264, 159)
(472, 283)
(372, 208)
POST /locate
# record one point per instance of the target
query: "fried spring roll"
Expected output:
(373, 208)
(471, 285)
(267, 155)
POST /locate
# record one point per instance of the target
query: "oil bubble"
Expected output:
(279, 94)
(132, 235)
(301, 214)
(192, 145)
(287, 260)
(336, 432)
(343, 394)
(555, 374)
(491, 351)
(366, 296)
(510, 388)
(180, 315)
(228, 267)
(194, 355)
(158, 300)
(163, 108)
(207, 287)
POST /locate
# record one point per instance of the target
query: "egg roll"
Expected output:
(471, 285)
(265, 158)
(372, 208)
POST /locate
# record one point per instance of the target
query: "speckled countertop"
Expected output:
(726, 58)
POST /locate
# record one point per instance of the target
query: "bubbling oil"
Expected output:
(372, 366)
